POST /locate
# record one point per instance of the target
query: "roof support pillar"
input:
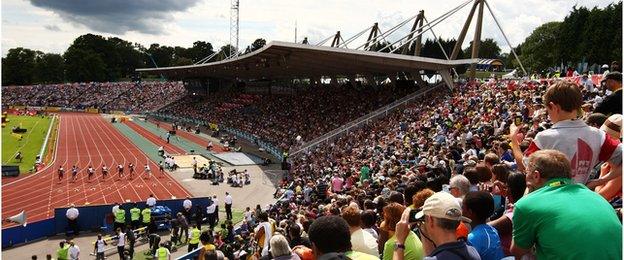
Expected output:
(448, 79)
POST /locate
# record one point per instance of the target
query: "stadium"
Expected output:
(399, 140)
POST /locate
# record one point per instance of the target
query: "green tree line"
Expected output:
(96, 58)
(590, 35)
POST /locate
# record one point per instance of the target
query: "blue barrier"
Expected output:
(91, 218)
(33, 231)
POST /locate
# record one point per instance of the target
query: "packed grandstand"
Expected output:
(455, 140)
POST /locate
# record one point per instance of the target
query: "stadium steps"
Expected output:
(381, 112)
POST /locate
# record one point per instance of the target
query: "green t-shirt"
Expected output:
(567, 221)
(63, 253)
(413, 247)
(364, 173)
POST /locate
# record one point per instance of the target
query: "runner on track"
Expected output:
(120, 170)
(90, 172)
(74, 173)
(161, 167)
(104, 172)
(131, 170)
(148, 171)
(61, 172)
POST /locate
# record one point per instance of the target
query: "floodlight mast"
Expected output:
(234, 11)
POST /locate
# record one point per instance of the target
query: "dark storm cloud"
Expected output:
(118, 16)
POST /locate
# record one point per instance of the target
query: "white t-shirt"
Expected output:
(583, 145)
(228, 199)
(122, 239)
(74, 252)
(100, 245)
(151, 201)
(72, 213)
(362, 241)
(247, 215)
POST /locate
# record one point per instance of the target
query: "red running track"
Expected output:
(84, 140)
(192, 137)
(168, 147)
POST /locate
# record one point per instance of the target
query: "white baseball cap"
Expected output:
(442, 205)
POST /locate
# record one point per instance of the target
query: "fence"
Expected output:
(92, 218)
(363, 120)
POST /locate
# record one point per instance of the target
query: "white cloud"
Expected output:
(23, 24)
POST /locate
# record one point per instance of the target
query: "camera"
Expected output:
(412, 215)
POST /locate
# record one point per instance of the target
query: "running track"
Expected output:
(168, 147)
(86, 139)
(191, 137)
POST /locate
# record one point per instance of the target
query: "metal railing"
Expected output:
(363, 120)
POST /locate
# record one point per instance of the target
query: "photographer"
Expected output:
(437, 222)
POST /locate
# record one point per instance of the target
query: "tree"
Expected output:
(541, 50)
(200, 50)
(18, 66)
(225, 52)
(256, 45)
(84, 65)
(49, 68)
(488, 49)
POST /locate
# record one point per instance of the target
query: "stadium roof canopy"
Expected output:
(292, 60)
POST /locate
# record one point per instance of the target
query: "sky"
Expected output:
(52, 25)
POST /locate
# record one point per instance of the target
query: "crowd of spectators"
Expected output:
(485, 171)
(280, 119)
(107, 96)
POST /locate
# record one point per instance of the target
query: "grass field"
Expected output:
(31, 141)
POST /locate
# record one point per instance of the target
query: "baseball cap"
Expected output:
(613, 126)
(442, 205)
(617, 76)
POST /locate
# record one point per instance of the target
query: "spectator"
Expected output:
(369, 218)
(540, 215)
(63, 252)
(151, 201)
(74, 251)
(131, 237)
(459, 186)
(613, 103)
(361, 241)
(610, 191)
(413, 248)
(478, 206)
(294, 235)
(584, 145)
(184, 226)
(263, 232)
(121, 243)
(439, 219)
(516, 183)
(280, 250)
(72, 219)
(99, 247)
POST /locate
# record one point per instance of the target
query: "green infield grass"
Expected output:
(30, 143)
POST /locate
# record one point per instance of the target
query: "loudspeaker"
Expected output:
(19, 218)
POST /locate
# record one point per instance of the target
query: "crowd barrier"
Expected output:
(91, 218)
